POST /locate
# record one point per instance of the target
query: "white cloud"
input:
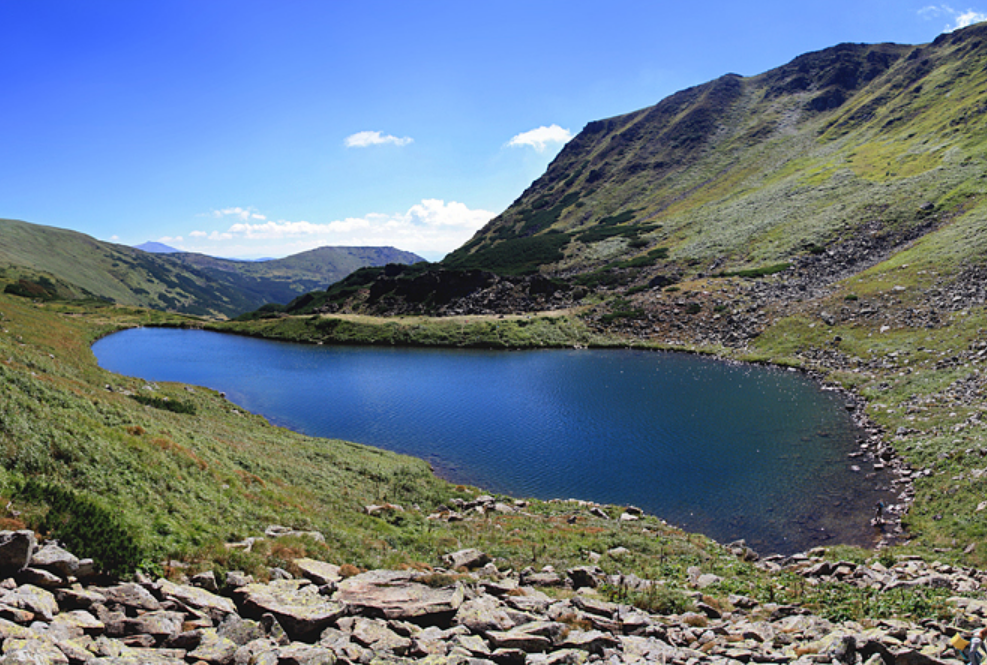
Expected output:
(540, 138)
(242, 213)
(960, 19)
(365, 139)
(432, 227)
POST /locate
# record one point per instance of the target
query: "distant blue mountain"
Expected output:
(157, 248)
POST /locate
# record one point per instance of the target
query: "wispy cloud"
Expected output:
(366, 139)
(243, 213)
(959, 18)
(433, 227)
(540, 138)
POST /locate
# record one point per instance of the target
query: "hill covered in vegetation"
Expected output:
(46, 262)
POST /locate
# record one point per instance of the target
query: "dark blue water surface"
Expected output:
(733, 451)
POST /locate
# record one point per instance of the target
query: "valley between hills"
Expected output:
(828, 215)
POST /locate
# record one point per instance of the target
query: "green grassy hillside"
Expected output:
(41, 261)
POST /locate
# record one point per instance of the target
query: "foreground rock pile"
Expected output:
(469, 613)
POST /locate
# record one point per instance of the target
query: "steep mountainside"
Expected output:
(744, 173)
(816, 171)
(41, 261)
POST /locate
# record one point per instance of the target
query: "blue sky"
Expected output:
(243, 128)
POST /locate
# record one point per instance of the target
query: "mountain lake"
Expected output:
(730, 450)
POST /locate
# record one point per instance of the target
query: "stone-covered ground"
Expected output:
(54, 609)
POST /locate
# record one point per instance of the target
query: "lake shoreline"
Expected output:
(871, 447)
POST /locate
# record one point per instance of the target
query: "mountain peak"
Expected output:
(156, 248)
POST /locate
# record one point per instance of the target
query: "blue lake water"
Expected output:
(733, 451)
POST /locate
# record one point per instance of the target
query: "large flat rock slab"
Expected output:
(396, 595)
(296, 604)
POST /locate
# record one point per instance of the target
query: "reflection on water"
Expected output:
(733, 451)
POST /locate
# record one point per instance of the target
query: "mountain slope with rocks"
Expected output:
(818, 170)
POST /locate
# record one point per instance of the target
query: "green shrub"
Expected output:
(165, 404)
(757, 272)
(26, 289)
(655, 598)
(84, 526)
(516, 256)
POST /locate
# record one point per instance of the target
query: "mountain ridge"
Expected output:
(45, 261)
(819, 169)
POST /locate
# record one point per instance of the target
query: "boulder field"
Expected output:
(55, 610)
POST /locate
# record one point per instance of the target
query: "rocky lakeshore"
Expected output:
(54, 609)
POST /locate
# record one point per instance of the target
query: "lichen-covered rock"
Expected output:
(296, 604)
(217, 607)
(53, 558)
(394, 595)
(305, 654)
(131, 596)
(215, 649)
(319, 572)
(160, 625)
(484, 614)
(375, 635)
(468, 559)
(33, 599)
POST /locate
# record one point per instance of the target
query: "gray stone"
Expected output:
(53, 558)
(40, 577)
(515, 639)
(35, 651)
(16, 549)
(393, 595)
(33, 599)
(484, 614)
(214, 649)
(305, 654)
(236, 579)
(257, 651)
(468, 559)
(77, 623)
(585, 576)
(319, 572)
(591, 641)
(132, 596)
(215, 606)
(240, 631)
(161, 624)
(77, 598)
(296, 604)
(207, 581)
(375, 635)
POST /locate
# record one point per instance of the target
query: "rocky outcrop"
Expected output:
(482, 616)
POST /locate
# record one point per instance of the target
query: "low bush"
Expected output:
(165, 404)
(84, 526)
